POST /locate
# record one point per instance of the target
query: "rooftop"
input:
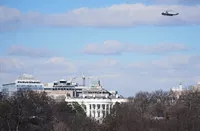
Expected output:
(95, 89)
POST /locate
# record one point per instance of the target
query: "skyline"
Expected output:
(129, 40)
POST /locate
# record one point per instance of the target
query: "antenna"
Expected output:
(83, 77)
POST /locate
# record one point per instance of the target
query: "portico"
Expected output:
(98, 101)
(97, 108)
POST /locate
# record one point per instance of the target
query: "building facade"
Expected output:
(62, 88)
(24, 82)
(97, 100)
(97, 108)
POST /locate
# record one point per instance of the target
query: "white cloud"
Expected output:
(171, 67)
(158, 48)
(106, 63)
(162, 73)
(58, 66)
(9, 18)
(9, 14)
(167, 62)
(108, 47)
(45, 68)
(102, 64)
(169, 2)
(10, 65)
(106, 66)
(20, 50)
(126, 77)
(121, 15)
(177, 1)
(112, 47)
(125, 15)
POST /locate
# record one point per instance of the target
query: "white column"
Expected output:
(88, 109)
(109, 107)
(101, 111)
(105, 110)
(96, 113)
(92, 111)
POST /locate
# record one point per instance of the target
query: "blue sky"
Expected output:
(126, 39)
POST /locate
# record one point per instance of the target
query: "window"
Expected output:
(63, 82)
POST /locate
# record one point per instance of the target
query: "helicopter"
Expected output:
(169, 14)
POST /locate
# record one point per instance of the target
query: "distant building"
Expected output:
(196, 87)
(58, 90)
(24, 82)
(176, 92)
(97, 100)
